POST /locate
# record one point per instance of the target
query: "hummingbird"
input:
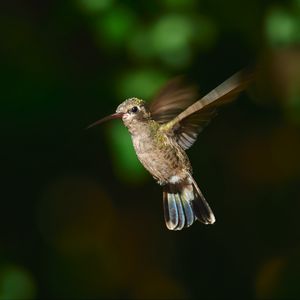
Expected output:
(161, 132)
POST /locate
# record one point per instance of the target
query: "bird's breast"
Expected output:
(160, 156)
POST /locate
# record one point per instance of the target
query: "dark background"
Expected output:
(80, 218)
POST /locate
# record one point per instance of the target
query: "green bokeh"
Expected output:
(282, 27)
(94, 6)
(80, 216)
(140, 44)
(16, 283)
(115, 26)
(180, 4)
(125, 162)
(141, 83)
(171, 38)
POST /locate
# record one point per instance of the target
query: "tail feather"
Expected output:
(201, 208)
(184, 203)
(170, 210)
(189, 214)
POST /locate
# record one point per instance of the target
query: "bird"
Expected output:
(162, 131)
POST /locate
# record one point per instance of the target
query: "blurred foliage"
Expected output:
(80, 216)
(124, 158)
(16, 283)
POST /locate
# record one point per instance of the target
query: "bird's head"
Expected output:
(131, 111)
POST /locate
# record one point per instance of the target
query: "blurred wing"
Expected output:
(171, 100)
(187, 125)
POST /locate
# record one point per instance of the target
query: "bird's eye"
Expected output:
(134, 109)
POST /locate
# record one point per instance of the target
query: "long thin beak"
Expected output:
(110, 117)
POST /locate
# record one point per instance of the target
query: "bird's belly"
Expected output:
(163, 162)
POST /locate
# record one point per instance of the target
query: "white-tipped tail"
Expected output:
(184, 203)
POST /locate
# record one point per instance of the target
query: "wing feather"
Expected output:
(172, 99)
(186, 126)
